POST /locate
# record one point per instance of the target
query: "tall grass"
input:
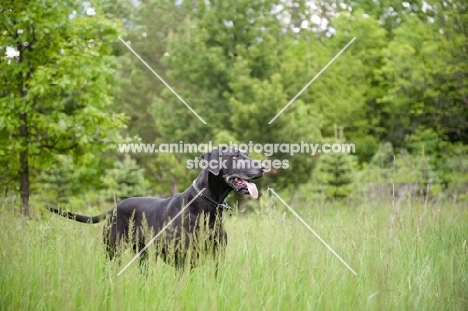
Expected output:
(272, 263)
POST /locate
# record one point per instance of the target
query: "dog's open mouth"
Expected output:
(244, 186)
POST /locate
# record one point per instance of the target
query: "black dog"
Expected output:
(133, 218)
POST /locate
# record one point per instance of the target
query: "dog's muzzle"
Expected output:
(244, 186)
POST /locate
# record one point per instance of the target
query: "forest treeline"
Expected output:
(71, 91)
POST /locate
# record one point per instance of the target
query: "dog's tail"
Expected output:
(80, 218)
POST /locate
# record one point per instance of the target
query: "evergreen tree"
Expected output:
(125, 179)
(335, 172)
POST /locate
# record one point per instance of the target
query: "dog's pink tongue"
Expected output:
(252, 189)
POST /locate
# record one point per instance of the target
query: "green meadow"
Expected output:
(413, 260)
(95, 94)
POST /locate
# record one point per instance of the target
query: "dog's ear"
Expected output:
(213, 161)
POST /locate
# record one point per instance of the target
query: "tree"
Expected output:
(227, 59)
(56, 87)
(55, 182)
(335, 171)
(126, 179)
(364, 58)
(426, 67)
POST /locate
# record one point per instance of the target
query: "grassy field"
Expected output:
(418, 261)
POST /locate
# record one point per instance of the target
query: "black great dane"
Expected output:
(201, 222)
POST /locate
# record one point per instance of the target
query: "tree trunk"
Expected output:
(174, 188)
(24, 164)
(24, 136)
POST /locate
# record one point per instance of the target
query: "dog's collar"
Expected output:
(211, 202)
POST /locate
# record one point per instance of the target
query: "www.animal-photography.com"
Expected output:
(233, 155)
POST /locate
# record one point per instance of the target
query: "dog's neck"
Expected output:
(215, 187)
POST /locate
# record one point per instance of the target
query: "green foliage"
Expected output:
(237, 64)
(362, 64)
(454, 172)
(335, 175)
(335, 172)
(425, 70)
(406, 172)
(59, 182)
(237, 67)
(125, 179)
(57, 91)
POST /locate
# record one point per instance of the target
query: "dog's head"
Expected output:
(235, 168)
